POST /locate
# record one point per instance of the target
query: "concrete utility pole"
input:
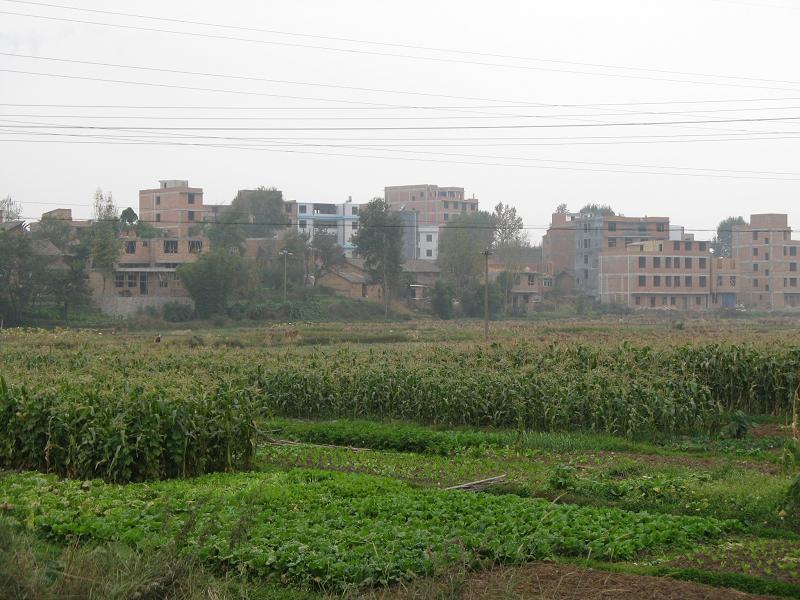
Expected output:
(486, 253)
(285, 253)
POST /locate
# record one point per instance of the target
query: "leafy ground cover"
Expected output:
(334, 529)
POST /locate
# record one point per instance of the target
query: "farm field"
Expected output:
(644, 458)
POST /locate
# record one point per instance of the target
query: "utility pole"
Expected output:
(486, 253)
(285, 253)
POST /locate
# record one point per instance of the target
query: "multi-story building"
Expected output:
(577, 241)
(427, 242)
(768, 260)
(174, 207)
(435, 205)
(340, 220)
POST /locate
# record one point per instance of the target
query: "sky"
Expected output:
(685, 108)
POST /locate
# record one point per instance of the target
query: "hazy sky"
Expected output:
(655, 61)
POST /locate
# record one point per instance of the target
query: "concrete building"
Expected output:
(340, 220)
(767, 258)
(575, 243)
(428, 242)
(435, 205)
(174, 207)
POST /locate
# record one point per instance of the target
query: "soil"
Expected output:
(770, 430)
(549, 581)
(701, 462)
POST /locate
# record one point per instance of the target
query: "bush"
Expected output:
(177, 312)
(442, 300)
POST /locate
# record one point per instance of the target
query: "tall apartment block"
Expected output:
(340, 220)
(435, 205)
(768, 262)
(575, 242)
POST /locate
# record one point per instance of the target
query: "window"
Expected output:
(755, 282)
(354, 226)
(642, 262)
(793, 282)
(196, 246)
(119, 280)
(755, 236)
(677, 262)
(668, 280)
(586, 227)
(170, 246)
(660, 227)
(132, 280)
(652, 301)
(701, 246)
(656, 262)
(664, 300)
(793, 251)
(668, 262)
(687, 262)
(642, 281)
(766, 255)
(793, 266)
(586, 243)
(638, 300)
(755, 267)
(672, 300)
(158, 217)
(547, 283)
(288, 208)
(702, 281)
(531, 279)
(163, 282)
(656, 280)
(755, 251)
(586, 259)
(766, 271)
(446, 217)
(702, 263)
(191, 215)
(676, 281)
(473, 206)
(698, 300)
(463, 206)
(612, 226)
(302, 209)
(446, 204)
(676, 246)
(688, 281)
(766, 240)
(191, 198)
(130, 247)
(612, 242)
(733, 281)
(429, 252)
(689, 246)
(158, 200)
(719, 280)
(355, 210)
(429, 237)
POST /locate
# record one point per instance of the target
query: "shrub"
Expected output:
(178, 312)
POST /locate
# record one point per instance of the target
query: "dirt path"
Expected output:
(549, 581)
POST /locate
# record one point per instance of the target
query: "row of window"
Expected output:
(642, 227)
(190, 215)
(672, 300)
(792, 268)
(189, 198)
(673, 262)
(672, 281)
(170, 246)
(787, 251)
(133, 279)
(463, 205)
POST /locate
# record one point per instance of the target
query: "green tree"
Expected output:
(562, 209)
(722, 244)
(21, 276)
(508, 225)
(212, 279)
(10, 209)
(379, 240)
(461, 245)
(68, 283)
(102, 238)
(128, 218)
(472, 299)
(328, 254)
(598, 209)
(295, 243)
(442, 299)
(56, 231)
(252, 214)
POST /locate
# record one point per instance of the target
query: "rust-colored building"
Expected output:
(767, 258)
(434, 205)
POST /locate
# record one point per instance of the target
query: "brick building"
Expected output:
(435, 205)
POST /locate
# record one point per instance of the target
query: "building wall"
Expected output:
(428, 242)
(339, 219)
(173, 206)
(435, 205)
(769, 262)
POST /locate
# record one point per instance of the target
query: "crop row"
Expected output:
(333, 529)
(125, 434)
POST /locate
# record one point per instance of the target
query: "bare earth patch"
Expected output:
(557, 582)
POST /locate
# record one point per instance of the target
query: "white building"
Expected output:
(428, 242)
(338, 219)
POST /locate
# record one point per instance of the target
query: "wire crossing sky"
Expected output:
(685, 109)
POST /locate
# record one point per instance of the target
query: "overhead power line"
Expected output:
(394, 45)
